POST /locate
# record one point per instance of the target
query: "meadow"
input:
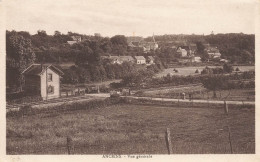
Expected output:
(133, 129)
(185, 71)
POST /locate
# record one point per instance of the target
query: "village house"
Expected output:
(138, 42)
(213, 52)
(119, 59)
(140, 60)
(43, 80)
(114, 59)
(126, 59)
(75, 39)
(187, 51)
(193, 48)
(182, 51)
(196, 59)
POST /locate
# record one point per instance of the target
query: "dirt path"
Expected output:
(56, 102)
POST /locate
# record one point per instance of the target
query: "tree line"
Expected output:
(23, 49)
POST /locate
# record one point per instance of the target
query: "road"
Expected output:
(88, 97)
(56, 101)
(195, 101)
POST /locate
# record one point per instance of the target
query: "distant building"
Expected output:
(213, 52)
(140, 60)
(43, 80)
(138, 42)
(196, 59)
(182, 51)
(187, 50)
(193, 48)
(76, 39)
(126, 59)
(224, 60)
(71, 42)
(119, 59)
(114, 59)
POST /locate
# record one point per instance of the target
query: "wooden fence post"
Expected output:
(225, 108)
(229, 138)
(69, 145)
(168, 141)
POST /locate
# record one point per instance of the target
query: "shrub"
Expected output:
(227, 68)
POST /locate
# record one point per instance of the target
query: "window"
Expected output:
(49, 77)
(50, 89)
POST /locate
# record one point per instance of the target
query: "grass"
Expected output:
(191, 70)
(132, 129)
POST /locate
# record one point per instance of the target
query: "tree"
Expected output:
(227, 68)
(57, 33)
(246, 57)
(200, 47)
(20, 54)
(83, 58)
(214, 83)
(137, 78)
(42, 33)
(204, 56)
(119, 40)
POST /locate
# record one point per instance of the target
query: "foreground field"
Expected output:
(133, 129)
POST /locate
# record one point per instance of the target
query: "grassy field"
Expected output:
(133, 129)
(191, 70)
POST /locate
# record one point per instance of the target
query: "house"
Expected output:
(196, 59)
(138, 42)
(114, 59)
(213, 52)
(43, 80)
(150, 60)
(71, 42)
(193, 48)
(223, 60)
(75, 39)
(119, 59)
(140, 60)
(126, 59)
(187, 51)
(183, 52)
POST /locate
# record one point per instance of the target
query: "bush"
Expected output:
(227, 68)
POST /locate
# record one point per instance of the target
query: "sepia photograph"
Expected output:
(130, 78)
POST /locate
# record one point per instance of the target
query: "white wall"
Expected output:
(140, 61)
(55, 83)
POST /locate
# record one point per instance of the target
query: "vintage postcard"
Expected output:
(127, 80)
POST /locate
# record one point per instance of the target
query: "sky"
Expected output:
(132, 17)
